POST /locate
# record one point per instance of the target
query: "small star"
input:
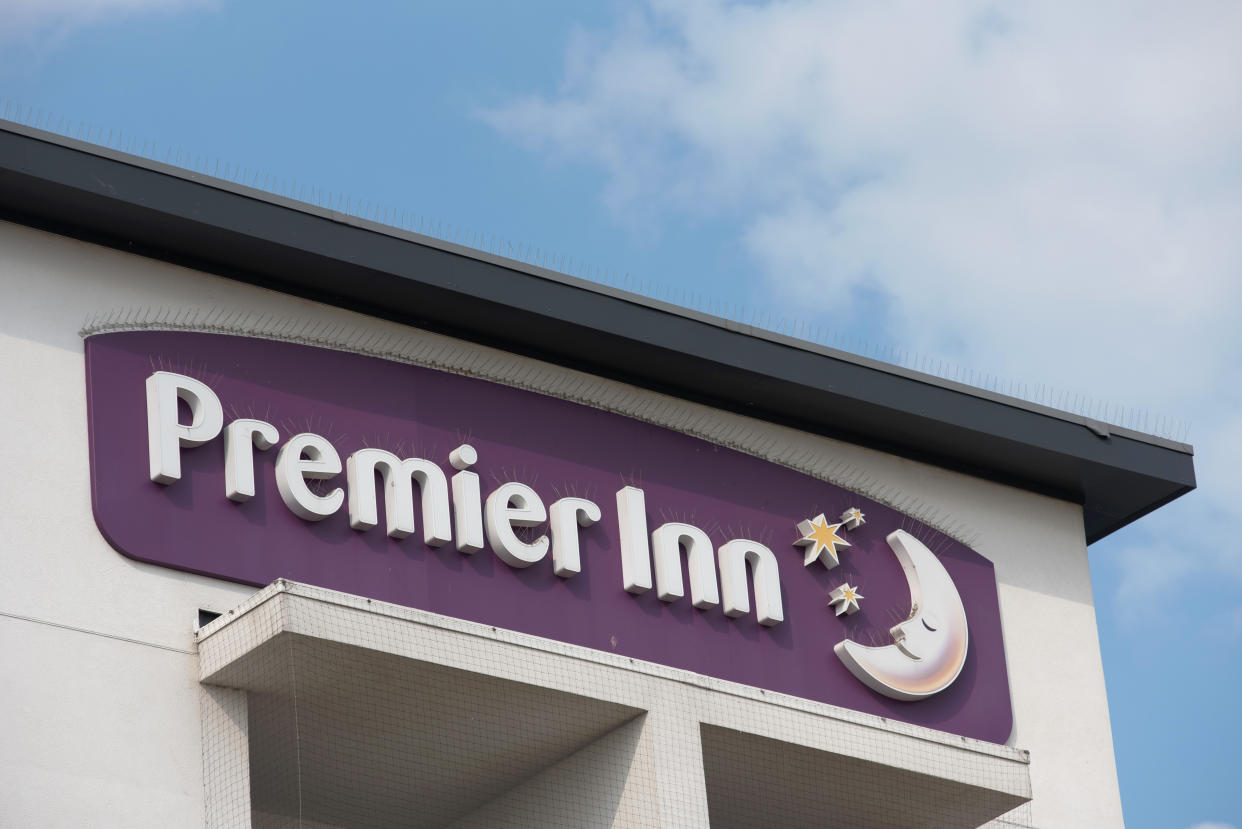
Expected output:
(845, 599)
(852, 518)
(821, 541)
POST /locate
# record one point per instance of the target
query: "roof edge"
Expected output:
(168, 212)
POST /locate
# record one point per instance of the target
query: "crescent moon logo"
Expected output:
(929, 648)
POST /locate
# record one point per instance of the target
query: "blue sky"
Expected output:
(1046, 193)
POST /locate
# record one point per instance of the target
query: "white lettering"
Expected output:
(165, 433)
(515, 505)
(734, 556)
(292, 469)
(568, 514)
(399, 476)
(467, 500)
(240, 439)
(666, 544)
(635, 555)
(308, 457)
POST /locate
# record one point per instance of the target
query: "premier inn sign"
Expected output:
(253, 460)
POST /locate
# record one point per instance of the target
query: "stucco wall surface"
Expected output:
(99, 655)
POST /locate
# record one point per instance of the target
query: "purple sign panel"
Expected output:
(252, 460)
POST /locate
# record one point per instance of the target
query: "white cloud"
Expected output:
(1049, 191)
(1212, 825)
(42, 19)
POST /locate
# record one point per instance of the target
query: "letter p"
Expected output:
(165, 433)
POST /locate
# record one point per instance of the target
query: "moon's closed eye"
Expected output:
(926, 658)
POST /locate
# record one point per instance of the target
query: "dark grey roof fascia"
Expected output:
(165, 212)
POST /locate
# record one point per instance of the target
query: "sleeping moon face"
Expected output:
(929, 648)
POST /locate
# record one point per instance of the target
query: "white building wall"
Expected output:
(542, 798)
(98, 649)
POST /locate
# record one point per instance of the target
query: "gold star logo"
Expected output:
(821, 541)
(845, 599)
(853, 518)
